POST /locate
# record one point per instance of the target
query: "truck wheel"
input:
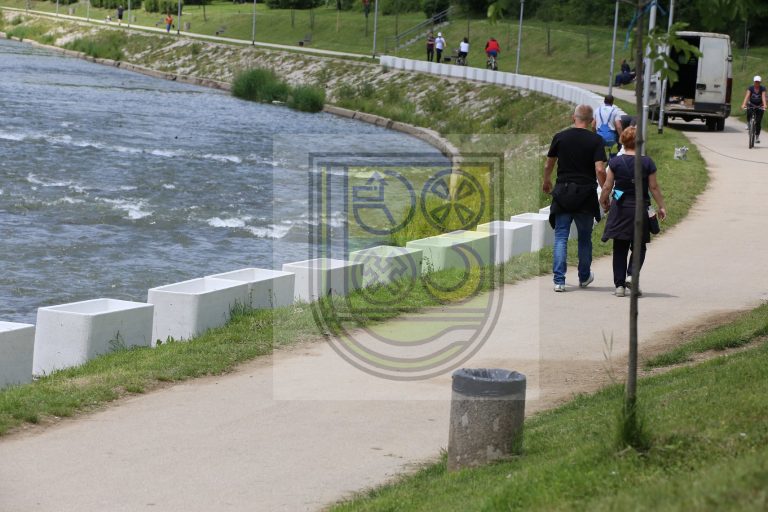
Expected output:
(711, 124)
(720, 126)
(666, 120)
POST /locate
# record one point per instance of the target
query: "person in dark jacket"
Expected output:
(580, 158)
(618, 198)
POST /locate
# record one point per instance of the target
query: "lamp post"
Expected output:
(88, 10)
(375, 24)
(647, 78)
(57, 7)
(519, 36)
(663, 94)
(253, 28)
(129, 13)
(613, 48)
(178, 20)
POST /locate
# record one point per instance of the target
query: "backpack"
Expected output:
(604, 128)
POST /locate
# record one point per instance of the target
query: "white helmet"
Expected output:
(439, 34)
(757, 79)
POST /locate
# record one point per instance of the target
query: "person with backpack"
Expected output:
(607, 122)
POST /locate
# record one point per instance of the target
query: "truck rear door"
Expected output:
(712, 76)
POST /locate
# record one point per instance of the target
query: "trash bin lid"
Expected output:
(488, 382)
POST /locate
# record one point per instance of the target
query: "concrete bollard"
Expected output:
(487, 413)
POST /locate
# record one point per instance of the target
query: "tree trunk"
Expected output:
(640, 212)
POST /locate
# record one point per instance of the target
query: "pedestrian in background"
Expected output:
(439, 46)
(119, 14)
(168, 22)
(430, 47)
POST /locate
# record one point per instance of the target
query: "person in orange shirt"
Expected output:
(168, 23)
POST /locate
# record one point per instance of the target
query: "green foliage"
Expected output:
(432, 7)
(162, 6)
(114, 4)
(293, 4)
(659, 40)
(390, 7)
(307, 98)
(103, 45)
(260, 85)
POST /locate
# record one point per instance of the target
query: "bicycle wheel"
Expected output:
(751, 131)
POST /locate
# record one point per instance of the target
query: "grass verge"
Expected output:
(747, 327)
(708, 452)
(264, 86)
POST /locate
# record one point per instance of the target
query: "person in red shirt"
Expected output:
(492, 49)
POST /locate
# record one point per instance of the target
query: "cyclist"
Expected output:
(756, 98)
(463, 52)
(492, 49)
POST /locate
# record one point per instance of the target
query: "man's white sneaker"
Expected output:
(559, 287)
(620, 291)
(589, 280)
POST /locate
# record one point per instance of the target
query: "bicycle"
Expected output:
(491, 63)
(751, 125)
(461, 60)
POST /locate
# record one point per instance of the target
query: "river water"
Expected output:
(113, 182)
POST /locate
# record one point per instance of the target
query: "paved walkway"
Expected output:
(302, 429)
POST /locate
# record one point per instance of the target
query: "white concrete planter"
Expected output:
(574, 233)
(543, 234)
(385, 263)
(442, 252)
(512, 238)
(266, 288)
(72, 334)
(483, 243)
(17, 342)
(189, 308)
(324, 276)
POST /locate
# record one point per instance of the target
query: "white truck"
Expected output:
(703, 88)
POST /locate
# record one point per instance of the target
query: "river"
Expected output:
(113, 182)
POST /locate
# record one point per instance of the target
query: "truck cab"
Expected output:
(703, 88)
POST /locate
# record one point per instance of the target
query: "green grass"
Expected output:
(103, 45)
(747, 327)
(568, 57)
(307, 98)
(260, 85)
(708, 452)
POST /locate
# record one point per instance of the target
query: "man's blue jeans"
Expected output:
(584, 223)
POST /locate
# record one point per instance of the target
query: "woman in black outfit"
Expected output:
(618, 198)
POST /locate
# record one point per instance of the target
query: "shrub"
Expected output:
(432, 7)
(307, 98)
(104, 45)
(260, 85)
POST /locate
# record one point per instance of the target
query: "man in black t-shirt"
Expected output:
(580, 157)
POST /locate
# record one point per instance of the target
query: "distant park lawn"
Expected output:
(576, 53)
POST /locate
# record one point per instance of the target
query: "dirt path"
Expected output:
(304, 428)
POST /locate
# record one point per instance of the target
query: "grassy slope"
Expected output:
(567, 59)
(709, 451)
(250, 335)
